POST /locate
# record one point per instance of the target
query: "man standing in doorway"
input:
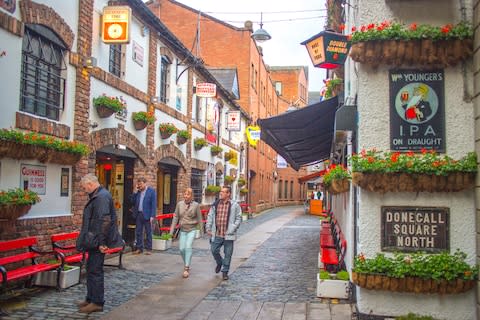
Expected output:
(144, 210)
(223, 220)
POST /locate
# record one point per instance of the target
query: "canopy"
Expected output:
(312, 176)
(302, 136)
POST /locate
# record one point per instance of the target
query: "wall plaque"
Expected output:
(415, 229)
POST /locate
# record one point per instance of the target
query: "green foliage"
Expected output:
(199, 143)
(244, 191)
(228, 179)
(413, 316)
(18, 196)
(148, 117)
(442, 266)
(241, 182)
(183, 134)
(426, 162)
(324, 275)
(115, 103)
(167, 127)
(165, 236)
(397, 31)
(212, 189)
(42, 140)
(331, 85)
(216, 149)
(342, 275)
(335, 172)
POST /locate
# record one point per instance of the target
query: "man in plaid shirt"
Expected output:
(223, 220)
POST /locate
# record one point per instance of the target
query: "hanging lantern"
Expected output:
(327, 49)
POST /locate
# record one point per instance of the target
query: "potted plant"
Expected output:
(212, 190)
(16, 202)
(398, 44)
(337, 179)
(241, 181)
(228, 179)
(419, 273)
(182, 136)
(69, 276)
(199, 143)
(141, 119)
(230, 155)
(412, 172)
(243, 191)
(161, 242)
(332, 88)
(167, 129)
(107, 105)
(216, 150)
(16, 144)
(333, 285)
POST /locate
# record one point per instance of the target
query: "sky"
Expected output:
(288, 22)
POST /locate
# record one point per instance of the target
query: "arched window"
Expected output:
(42, 90)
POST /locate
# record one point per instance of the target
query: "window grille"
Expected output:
(42, 82)
(196, 182)
(115, 60)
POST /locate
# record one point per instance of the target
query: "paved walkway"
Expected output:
(272, 277)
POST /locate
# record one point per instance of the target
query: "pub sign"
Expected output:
(415, 229)
(417, 110)
(327, 49)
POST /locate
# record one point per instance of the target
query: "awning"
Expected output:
(312, 176)
(303, 136)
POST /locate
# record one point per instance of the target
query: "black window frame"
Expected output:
(115, 60)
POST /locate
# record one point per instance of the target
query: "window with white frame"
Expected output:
(43, 72)
(165, 64)
(278, 87)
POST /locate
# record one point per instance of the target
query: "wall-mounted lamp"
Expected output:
(89, 62)
(261, 35)
(154, 99)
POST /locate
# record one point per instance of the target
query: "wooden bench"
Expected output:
(64, 245)
(30, 252)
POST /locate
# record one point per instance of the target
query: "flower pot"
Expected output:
(215, 153)
(160, 244)
(139, 124)
(165, 135)
(104, 112)
(339, 186)
(68, 278)
(197, 148)
(244, 217)
(13, 212)
(181, 140)
(332, 288)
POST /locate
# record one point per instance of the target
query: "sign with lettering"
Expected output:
(327, 49)
(116, 24)
(415, 229)
(417, 105)
(206, 90)
(233, 120)
(33, 178)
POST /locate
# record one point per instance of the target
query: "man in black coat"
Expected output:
(99, 232)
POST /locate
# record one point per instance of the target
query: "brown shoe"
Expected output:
(148, 252)
(91, 307)
(81, 303)
(138, 251)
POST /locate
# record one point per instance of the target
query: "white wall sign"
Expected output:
(33, 178)
(206, 90)
(233, 120)
(137, 53)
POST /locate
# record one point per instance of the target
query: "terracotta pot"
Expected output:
(139, 124)
(104, 112)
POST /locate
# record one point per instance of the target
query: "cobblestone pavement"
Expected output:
(283, 269)
(49, 304)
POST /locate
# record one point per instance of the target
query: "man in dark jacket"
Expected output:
(99, 232)
(144, 210)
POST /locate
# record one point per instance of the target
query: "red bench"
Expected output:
(160, 218)
(32, 253)
(333, 259)
(64, 245)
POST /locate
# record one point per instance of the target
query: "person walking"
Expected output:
(224, 218)
(188, 215)
(99, 232)
(144, 210)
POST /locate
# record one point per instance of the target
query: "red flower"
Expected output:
(445, 29)
(413, 26)
(354, 29)
(363, 28)
(410, 153)
(424, 151)
(371, 160)
(395, 156)
(342, 27)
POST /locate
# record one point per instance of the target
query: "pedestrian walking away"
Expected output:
(189, 217)
(223, 220)
(98, 233)
(144, 211)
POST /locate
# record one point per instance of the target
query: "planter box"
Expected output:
(244, 217)
(329, 288)
(162, 245)
(49, 278)
(197, 234)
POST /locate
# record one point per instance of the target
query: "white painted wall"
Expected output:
(372, 89)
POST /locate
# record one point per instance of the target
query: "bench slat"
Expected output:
(17, 243)
(18, 257)
(30, 270)
(65, 236)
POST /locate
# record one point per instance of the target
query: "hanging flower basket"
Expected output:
(139, 124)
(425, 45)
(104, 112)
(181, 140)
(106, 105)
(167, 129)
(339, 186)
(13, 212)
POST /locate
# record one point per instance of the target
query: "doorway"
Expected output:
(167, 180)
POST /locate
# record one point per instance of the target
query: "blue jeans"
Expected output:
(95, 277)
(185, 246)
(216, 245)
(143, 224)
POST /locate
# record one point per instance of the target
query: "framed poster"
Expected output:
(166, 188)
(64, 182)
(33, 178)
(417, 110)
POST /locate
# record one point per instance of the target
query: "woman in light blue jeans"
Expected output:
(189, 218)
